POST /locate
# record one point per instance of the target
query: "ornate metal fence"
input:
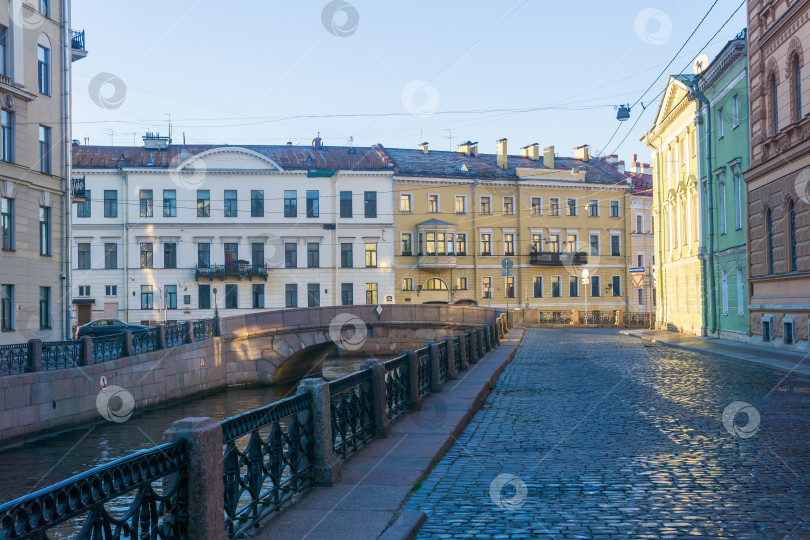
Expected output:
(15, 358)
(457, 352)
(396, 387)
(351, 404)
(108, 348)
(478, 345)
(424, 375)
(150, 485)
(468, 342)
(204, 329)
(555, 317)
(597, 317)
(144, 341)
(443, 364)
(268, 456)
(61, 354)
(176, 334)
(643, 320)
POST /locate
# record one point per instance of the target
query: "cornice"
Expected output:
(728, 57)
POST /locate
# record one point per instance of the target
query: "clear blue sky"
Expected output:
(235, 72)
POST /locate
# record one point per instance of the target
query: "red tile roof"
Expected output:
(642, 184)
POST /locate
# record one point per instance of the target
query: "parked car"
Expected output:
(106, 327)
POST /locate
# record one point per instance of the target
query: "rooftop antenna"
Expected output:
(170, 126)
(184, 138)
(450, 136)
(133, 137)
(112, 134)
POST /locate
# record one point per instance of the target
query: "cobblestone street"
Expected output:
(590, 433)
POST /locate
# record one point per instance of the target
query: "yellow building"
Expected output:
(676, 210)
(459, 215)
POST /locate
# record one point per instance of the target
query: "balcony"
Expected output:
(558, 259)
(238, 270)
(77, 50)
(436, 261)
(77, 188)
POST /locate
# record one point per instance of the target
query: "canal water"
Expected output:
(39, 464)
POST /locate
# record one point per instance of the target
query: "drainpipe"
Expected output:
(712, 322)
(126, 244)
(662, 305)
(66, 163)
(471, 246)
(518, 245)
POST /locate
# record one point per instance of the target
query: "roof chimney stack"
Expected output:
(316, 142)
(501, 154)
(531, 151)
(548, 157)
(469, 148)
(581, 152)
(424, 147)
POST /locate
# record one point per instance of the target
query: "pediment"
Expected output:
(229, 159)
(674, 93)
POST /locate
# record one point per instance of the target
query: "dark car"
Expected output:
(106, 327)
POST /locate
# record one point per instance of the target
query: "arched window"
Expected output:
(769, 224)
(435, 284)
(774, 105)
(792, 235)
(797, 88)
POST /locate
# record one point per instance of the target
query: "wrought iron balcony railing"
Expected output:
(436, 261)
(77, 40)
(77, 187)
(558, 258)
(222, 271)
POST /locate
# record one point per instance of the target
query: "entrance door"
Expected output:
(83, 313)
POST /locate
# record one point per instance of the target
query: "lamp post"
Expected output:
(216, 311)
(585, 280)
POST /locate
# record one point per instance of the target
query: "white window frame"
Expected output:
(724, 291)
(619, 236)
(591, 205)
(487, 294)
(735, 111)
(639, 218)
(558, 206)
(455, 202)
(542, 291)
(720, 178)
(402, 285)
(721, 126)
(569, 208)
(410, 202)
(438, 203)
(539, 207)
(480, 199)
(503, 205)
(618, 207)
(740, 293)
(598, 244)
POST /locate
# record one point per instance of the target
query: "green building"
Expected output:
(722, 99)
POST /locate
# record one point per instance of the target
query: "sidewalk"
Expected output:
(797, 363)
(377, 481)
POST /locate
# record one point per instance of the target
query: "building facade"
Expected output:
(36, 43)
(174, 232)
(724, 155)
(462, 217)
(677, 204)
(778, 179)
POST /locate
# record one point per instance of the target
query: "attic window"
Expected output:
(150, 161)
(464, 167)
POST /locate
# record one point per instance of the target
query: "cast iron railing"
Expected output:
(15, 358)
(144, 341)
(487, 338)
(351, 403)
(204, 329)
(108, 348)
(151, 483)
(268, 456)
(555, 317)
(468, 342)
(479, 347)
(61, 354)
(641, 319)
(237, 270)
(396, 387)
(424, 375)
(603, 318)
(457, 352)
(443, 366)
(176, 334)
(558, 258)
(77, 40)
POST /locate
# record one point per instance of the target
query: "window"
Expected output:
(486, 287)
(461, 283)
(594, 243)
(405, 202)
(111, 290)
(204, 296)
(203, 203)
(45, 149)
(345, 204)
(740, 293)
(508, 206)
(573, 286)
(537, 243)
(593, 207)
(720, 123)
(4, 50)
(724, 291)
(257, 295)
(110, 256)
(346, 294)
(737, 186)
(769, 231)
(231, 253)
(553, 206)
(290, 255)
(171, 297)
(84, 291)
(461, 204)
(571, 207)
(83, 258)
(406, 247)
(509, 244)
(44, 308)
(615, 245)
(537, 206)
(486, 206)
(7, 307)
(735, 111)
(571, 243)
(371, 255)
(110, 203)
(231, 296)
(44, 230)
(792, 236)
(257, 203)
(257, 254)
(313, 209)
(147, 297)
(510, 287)
(554, 243)
(461, 244)
(291, 295)
(146, 255)
(7, 222)
(346, 255)
(537, 286)
(313, 255)
(169, 203)
(486, 244)
(797, 89)
(45, 7)
(230, 203)
(204, 255)
(170, 255)
(370, 204)
(640, 260)
(433, 203)
(614, 208)
(313, 294)
(435, 284)
(555, 287)
(407, 284)
(371, 293)
(639, 224)
(44, 70)
(290, 203)
(146, 203)
(596, 286)
(721, 192)
(640, 293)
(774, 105)
(7, 136)
(617, 285)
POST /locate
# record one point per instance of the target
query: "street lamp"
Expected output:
(585, 280)
(216, 311)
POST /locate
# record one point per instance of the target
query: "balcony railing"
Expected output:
(77, 187)
(77, 40)
(436, 261)
(237, 270)
(558, 259)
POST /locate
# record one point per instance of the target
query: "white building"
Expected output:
(169, 230)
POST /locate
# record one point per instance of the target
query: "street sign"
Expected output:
(507, 263)
(637, 274)
(508, 273)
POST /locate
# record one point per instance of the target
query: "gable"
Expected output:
(229, 159)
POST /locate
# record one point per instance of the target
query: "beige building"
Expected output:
(35, 42)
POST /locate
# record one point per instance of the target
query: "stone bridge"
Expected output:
(261, 348)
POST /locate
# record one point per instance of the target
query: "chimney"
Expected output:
(469, 148)
(581, 152)
(316, 142)
(548, 157)
(501, 154)
(424, 147)
(531, 151)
